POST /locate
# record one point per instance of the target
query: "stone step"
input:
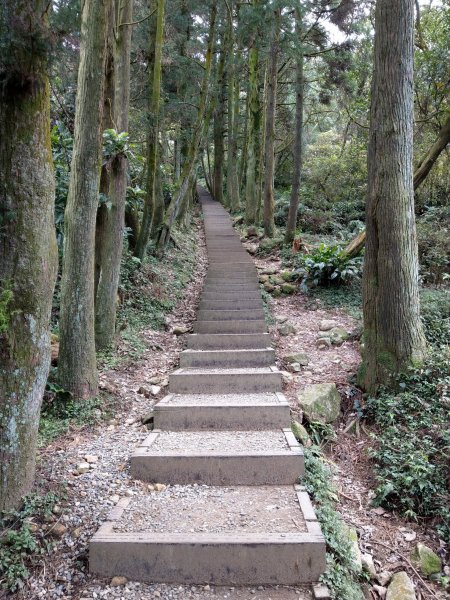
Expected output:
(231, 296)
(237, 278)
(225, 381)
(231, 268)
(208, 535)
(219, 458)
(231, 315)
(230, 327)
(208, 341)
(263, 357)
(241, 412)
(231, 287)
(236, 304)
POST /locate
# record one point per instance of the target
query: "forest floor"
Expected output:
(388, 538)
(88, 497)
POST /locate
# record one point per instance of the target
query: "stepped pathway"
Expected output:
(226, 507)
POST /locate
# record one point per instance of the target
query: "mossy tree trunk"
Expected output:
(77, 367)
(111, 215)
(269, 148)
(219, 123)
(298, 139)
(200, 125)
(233, 108)
(152, 198)
(252, 183)
(393, 333)
(28, 255)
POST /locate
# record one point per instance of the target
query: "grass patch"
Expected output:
(341, 576)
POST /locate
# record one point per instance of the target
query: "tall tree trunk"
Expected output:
(298, 140)
(219, 125)
(77, 367)
(244, 152)
(199, 128)
(28, 255)
(269, 150)
(233, 107)
(252, 186)
(151, 197)
(392, 328)
(109, 237)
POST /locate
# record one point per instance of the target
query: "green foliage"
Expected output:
(433, 236)
(20, 543)
(327, 265)
(60, 412)
(62, 147)
(435, 313)
(412, 442)
(115, 143)
(341, 575)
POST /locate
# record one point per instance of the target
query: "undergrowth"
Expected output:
(60, 412)
(411, 443)
(341, 576)
(23, 538)
(148, 292)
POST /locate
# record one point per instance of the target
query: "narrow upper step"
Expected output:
(219, 341)
(199, 412)
(263, 357)
(225, 381)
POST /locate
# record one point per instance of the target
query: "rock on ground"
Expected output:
(320, 402)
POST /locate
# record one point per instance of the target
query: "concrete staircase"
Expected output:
(234, 512)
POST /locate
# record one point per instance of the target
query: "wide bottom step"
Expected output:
(221, 536)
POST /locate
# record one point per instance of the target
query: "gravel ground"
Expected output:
(200, 508)
(219, 399)
(226, 441)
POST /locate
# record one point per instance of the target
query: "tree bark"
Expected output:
(199, 128)
(152, 197)
(109, 237)
(219, 126)
(252, 186)
(77, 368)
(393, 335)
(298, 140)
(269, 150)
(233, 107)
(28, 254)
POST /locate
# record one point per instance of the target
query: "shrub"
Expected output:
(412, 443)
(327, 265)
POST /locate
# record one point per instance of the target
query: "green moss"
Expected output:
(6, 297)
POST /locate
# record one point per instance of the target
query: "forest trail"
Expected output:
(223, 505)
